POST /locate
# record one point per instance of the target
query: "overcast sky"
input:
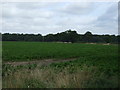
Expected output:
(54, 17)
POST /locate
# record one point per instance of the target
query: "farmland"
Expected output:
(93, 65)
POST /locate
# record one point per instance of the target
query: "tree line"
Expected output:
(66, 36)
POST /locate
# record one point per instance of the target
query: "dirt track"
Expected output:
(39, 62)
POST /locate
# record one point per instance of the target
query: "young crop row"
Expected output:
(80, 73)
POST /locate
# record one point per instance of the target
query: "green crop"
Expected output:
(25, 51)
(94, 65)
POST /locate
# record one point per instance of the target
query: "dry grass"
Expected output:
(49, 78)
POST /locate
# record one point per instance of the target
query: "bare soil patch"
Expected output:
(39, 62)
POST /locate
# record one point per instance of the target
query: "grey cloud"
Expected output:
(108, 21)
(110, 16)
(119, 17)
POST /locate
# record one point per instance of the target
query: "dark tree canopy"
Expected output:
(67, 36)
(88, 33)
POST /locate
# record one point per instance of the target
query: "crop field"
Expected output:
(83, 66)
(17, 51)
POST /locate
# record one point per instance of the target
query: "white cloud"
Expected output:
(12, 11)
(48, 17)
(77, 8)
